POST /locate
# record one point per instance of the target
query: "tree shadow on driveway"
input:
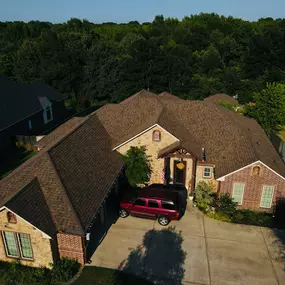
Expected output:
(159, 259)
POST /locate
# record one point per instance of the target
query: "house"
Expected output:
(192, 141)
(27, 111)
(51, 203)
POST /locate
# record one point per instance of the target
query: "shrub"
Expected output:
(254, 218)
(15, 273)
(138, 169)
(204, 196)
(219, 216)
(64, 269)
(226, 205)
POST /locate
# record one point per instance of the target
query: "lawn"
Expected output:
(104, 276)
(13, 160)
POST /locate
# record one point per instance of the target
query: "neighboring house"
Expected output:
(50, 204)
(27, 111)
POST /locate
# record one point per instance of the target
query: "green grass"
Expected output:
(282, 133)
(104, 276)
(13, 160)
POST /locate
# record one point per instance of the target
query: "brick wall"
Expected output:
(71, 246)
(41, 244)
(152, 149)
(254, 186)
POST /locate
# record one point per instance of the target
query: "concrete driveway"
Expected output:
(195, 250)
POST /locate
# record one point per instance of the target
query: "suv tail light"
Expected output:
(177, 215)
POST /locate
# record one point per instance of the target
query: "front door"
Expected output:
(179, 172)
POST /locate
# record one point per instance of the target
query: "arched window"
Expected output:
(11, 218)
(156, 136)
(256, 171)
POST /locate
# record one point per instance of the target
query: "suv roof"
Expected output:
(157, 194)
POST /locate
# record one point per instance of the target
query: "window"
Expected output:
(48, 114)
(207, 172)
(255, 171)
(11, 244)
(167, 205)
(156, 136)
(140, 202)
(152, 204)
(25, 246)
(18, 245)
(11, 218)
(30, 124)
(267, 196)
(238, 193)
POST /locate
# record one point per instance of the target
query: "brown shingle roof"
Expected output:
(74, 173)
(228, 143)
(62, 130)
(87, 168)
(30, 204)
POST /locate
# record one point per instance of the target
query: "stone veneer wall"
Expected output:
(41, 245)
(152, 149)
(71, 246)
(254, 186)
(199, 175)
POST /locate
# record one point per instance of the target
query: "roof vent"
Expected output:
(203, 154)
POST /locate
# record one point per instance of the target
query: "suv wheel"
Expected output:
(163, 220)
(123, 213)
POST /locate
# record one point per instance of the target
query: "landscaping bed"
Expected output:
(223, 208)
(104, 276)
(17, 274)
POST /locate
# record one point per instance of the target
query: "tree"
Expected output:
(137, 165)
(269, 107)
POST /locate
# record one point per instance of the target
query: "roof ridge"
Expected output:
(66, 194)
(44, 150)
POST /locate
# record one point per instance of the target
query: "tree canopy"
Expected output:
(269, 107)
(193, 58)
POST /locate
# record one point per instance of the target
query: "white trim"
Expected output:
(222, 178)
(271, 197)
(45, 113)
(153, 126)
(242, 191)
(210, 173)
(44, 234)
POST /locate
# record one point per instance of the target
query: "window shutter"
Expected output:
(237, 195)
(267, 196)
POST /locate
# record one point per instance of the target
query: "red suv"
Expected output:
(164, 208)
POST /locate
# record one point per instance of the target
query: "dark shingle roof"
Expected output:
(75, 173)
(87, 168)
(231, 141)
(59, 132)
(19, 101)
(30, 204)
